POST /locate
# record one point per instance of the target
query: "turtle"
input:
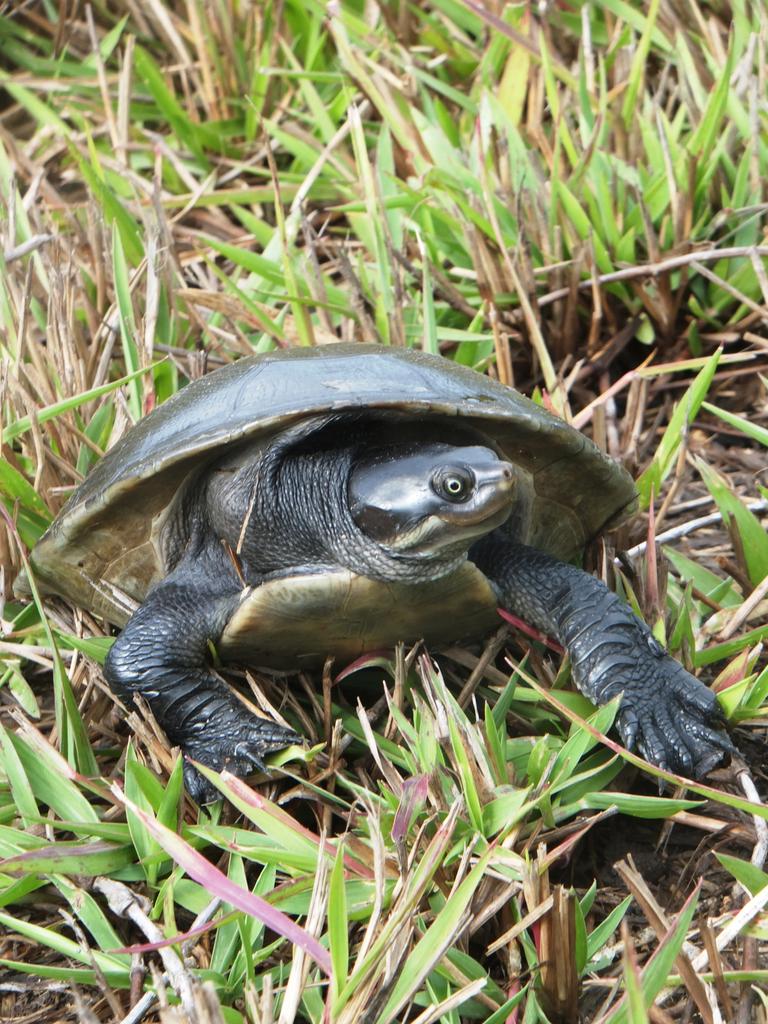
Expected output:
(329, 501)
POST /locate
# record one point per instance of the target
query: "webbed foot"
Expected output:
(671, 718)
(237, 741)
(162, 656)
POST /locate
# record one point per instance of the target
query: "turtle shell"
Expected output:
(103, 552)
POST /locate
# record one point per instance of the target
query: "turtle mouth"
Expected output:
(432, 534)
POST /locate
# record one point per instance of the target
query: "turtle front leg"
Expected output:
(665, 712)
(162, 655)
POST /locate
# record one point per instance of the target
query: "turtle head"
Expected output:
(421, 501)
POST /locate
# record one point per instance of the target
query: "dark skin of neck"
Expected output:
(297, 517)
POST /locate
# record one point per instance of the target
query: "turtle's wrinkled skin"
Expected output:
(333, 501)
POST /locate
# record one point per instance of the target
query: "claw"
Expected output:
(711, 759)
(247, 753)
(655, 647)
(708, 747)
(653, 746)
(705, 701)
(628, 727)
(683, 759)
(278, 736)
(704, 735)
(198, 788)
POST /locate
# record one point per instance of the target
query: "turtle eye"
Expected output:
(453, 484)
